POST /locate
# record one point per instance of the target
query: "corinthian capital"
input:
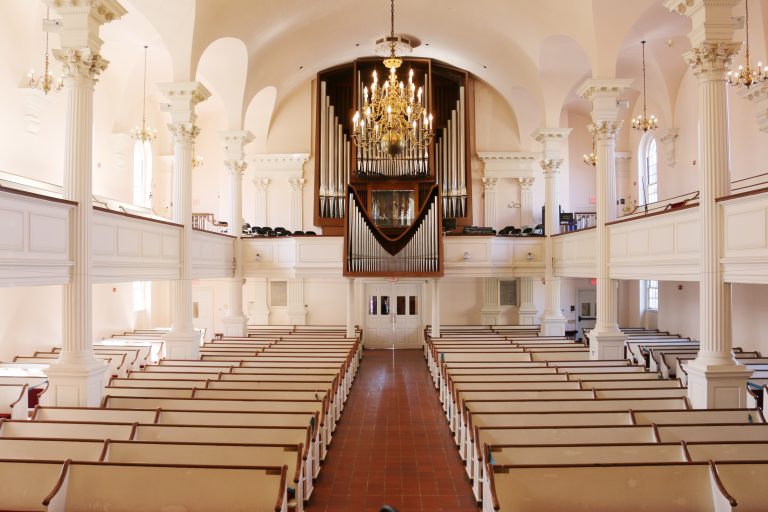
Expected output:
(297, 183)
(711, 60)
(605, 130)
(81, 65)
(184, 133)
(236, 167)
(551, 165)
(526, 183)
(489, 183)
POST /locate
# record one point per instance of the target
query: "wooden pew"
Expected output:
(107, 486)
(14, 401)
(51, 449)
(669, 487)
(25, 484)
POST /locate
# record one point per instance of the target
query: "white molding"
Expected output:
(275, 165)
(509, 164)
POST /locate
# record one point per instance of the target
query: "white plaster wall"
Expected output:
(679, 308)
(582, 176)
(749, 321)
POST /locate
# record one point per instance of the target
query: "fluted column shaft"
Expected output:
(235, 169)
(526, 201)
(709, 63)
(184, 135)
(350, 308)
(81, 70)
(435, 308)
(551, 227)
(527, 309)
(607, 315)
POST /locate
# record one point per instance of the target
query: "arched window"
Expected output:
(648, 184)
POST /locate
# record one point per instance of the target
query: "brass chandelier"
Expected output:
(643, 122)
(144, 134)
(591, 159)
(46, 82)
(747, 75)
(394, 115)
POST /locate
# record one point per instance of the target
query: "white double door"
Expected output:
(393, 314)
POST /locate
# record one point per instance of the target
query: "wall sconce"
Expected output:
(258, 257)
(466, 255)
(529, 257)
(514, 204)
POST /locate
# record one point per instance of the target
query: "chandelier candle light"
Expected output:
(591, 159)
(643, 122)
(394, 115)
(144, 134)
(746, 75)
(46, 82)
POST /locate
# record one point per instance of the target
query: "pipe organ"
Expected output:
(390, 206)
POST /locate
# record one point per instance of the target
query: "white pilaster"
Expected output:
(551, 139)
(489, 201)
(350, 308)
(235, 322)
(183, 342)
(297, 309)
(526, 311)
(262, 187)
(624, 182)
(435, 308)
(526, 201)
(279, 168)
(715, 379)
(297, 203)
(259, 313)
(77, 379)
(606, 339)
(490, 313)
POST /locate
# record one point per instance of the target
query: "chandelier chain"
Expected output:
(644, 122)
(747, 75)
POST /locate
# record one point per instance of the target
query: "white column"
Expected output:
(715, 379)
(526, 201)
(526, 311)
(297, 310)
(235, 322)
(259, 314)
(78, 377)
(606, 339)
(435, 308)
(262, 184)
(297, 203)
(350, 308)
(552, 321)
(489, 201)
(183, 342)
(490, 313)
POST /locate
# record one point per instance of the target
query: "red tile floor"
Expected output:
(392, 445)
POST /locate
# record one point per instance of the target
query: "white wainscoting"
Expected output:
(133, 249)
(745, 255)
(34, 240)
(212, 254)
(575, 254)
(663, 247)
(487, 256)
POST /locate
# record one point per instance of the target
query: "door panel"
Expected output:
(393, 315)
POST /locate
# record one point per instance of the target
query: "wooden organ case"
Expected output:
(391, 209)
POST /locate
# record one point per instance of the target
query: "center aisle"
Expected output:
(392, 445)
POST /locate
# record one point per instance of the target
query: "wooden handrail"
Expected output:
(720, 486)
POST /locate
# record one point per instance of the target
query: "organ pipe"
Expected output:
(334, 155)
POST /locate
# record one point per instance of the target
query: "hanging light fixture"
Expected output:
(746, 75)
(46, 82)
(643, 122)
(394, 115)
(144, 134)
(197, 161)
(591, 159)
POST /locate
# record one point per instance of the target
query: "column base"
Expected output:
(235, 326)
(76, 383)
(526, 315)
(608, 345)
(490, 316)
(553, 325)
(182, 345)
(717, 386)
(259, 318)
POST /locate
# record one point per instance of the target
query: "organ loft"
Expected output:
(383, 256)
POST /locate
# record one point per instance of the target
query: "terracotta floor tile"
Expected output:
(393, 445)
